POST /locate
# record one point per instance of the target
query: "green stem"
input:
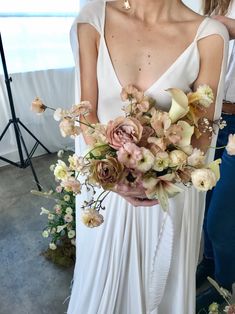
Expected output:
(98, 198)
(219, 147)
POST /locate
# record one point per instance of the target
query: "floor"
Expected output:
(29, 284)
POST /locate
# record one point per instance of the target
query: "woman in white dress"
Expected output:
(142, 260)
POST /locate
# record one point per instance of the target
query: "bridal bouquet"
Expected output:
(146, 149)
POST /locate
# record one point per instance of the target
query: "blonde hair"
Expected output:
(216, 6)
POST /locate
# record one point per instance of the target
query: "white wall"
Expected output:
(195, 5)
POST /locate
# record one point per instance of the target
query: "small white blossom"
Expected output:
(69, 210)
(45, 234)
(71, 234)
(44, 211)
(52, 246)
(60, 153)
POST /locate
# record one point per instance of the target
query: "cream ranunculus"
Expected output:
(179, 106)
(203, 96)
(203, 179)
(231, 145)
(92, 218)
(61, 170)
(177, 158)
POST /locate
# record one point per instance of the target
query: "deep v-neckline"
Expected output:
(169, 69)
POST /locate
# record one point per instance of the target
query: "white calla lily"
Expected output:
(179, 106)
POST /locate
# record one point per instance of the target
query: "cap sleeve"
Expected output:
(92, 13)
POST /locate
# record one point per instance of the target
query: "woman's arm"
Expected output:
(211, 51)
(88, 39)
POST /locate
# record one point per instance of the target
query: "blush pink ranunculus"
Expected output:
(123, 130)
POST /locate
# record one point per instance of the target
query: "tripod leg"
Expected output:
(4, 131)
(34, 136)
(29, 162)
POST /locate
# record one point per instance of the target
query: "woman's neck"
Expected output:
(151, 11)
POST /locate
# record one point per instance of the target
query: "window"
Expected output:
(35, 34)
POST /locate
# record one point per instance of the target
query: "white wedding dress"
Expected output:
(140, 260)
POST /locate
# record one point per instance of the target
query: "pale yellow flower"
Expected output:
(52, 246)
(71, 234)
(161, 161)
(61, 170)
(92, 218)
(45, 234)
(177, 158)
(203, 179)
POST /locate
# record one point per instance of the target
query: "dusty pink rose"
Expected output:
(68, 127)
(71, 185)
(123, 130)
(37, 106)
(129, 155)
(231, 145)
(160, 122)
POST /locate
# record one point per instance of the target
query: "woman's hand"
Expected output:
(135, 196)
(228, 22)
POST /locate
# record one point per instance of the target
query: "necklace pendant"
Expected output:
(126, 5)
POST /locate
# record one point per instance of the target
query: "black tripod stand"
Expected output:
(21, 146)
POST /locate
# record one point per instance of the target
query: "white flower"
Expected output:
(206, 96)
(179, 107)
(45, 234)
(71, 234)
(52, 246)
(61, 170)
(161, 161)
(51, 216)
(66, 198)
(68, 218)
(92, 218)
(60, 228)
(177, 158)
(59, 114)
(231, 145)
(52, 167)
(203, 179)
(69, 210)
(44, 211)
(196, 158)
(147, 160)
(60, 153)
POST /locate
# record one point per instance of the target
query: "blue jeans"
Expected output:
(219, 221)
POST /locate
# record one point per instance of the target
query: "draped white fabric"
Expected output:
(56, 88)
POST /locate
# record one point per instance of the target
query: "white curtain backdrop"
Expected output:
(39, 60)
